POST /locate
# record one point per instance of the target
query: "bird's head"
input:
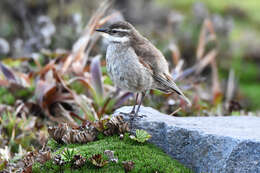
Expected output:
(119, 32)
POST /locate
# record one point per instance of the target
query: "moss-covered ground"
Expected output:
(147, 157)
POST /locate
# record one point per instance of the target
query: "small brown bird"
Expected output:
(135, 64)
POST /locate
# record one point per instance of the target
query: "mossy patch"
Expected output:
(147, 157)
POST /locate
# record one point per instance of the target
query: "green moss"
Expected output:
(147, 157)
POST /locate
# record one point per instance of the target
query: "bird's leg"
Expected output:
(133, 110)
(136, 113)
(139, 105)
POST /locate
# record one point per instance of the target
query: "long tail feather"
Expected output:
(169, 84)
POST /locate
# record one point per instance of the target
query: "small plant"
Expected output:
(98, 161)
(141, 136)
(128, 165)
(68, 154)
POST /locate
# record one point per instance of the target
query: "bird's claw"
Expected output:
(133, 115)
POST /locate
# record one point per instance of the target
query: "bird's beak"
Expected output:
(102, 30)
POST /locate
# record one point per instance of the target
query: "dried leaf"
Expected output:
(201, 43)
(116, 125)
(206, 60)
(128, 165)
(175, 53)
(65, 134)
(41, 156)
(57, 133)
(81, 100)
(57, 160)
(81, 44)
(203, 39)
(27, 169)
(9, 75)
(98, 161)
(44, 92)
(78, 161)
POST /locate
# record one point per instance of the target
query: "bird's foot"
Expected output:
(133, 115)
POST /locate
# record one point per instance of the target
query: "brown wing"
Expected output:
(153, 59)
(151, 55)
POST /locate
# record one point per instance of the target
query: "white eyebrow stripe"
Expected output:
(121, 30)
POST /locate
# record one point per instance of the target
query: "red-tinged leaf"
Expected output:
(77, 116)
(46, 68)
(4, 83)
(84, 82)
(96, 75)
(44, 91)
(210, 27)
(27, 169)
(24, 79)
(128, 165)
(81, 100)
(9, 75)
(98, 161)
(216, 89)
(103, 109)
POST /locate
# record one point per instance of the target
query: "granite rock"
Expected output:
(205, 144)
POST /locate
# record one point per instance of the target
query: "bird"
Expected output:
(135, 64)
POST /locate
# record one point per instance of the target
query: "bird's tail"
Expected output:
(169, 85)
(176, 89)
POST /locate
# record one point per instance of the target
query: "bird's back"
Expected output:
(148, 53)
(152, 58)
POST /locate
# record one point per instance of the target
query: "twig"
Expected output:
(177, 110)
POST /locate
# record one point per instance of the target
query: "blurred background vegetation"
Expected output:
(29, 26)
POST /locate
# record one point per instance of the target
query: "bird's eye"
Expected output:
(113, 31)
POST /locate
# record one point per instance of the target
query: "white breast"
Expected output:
(125, 69)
